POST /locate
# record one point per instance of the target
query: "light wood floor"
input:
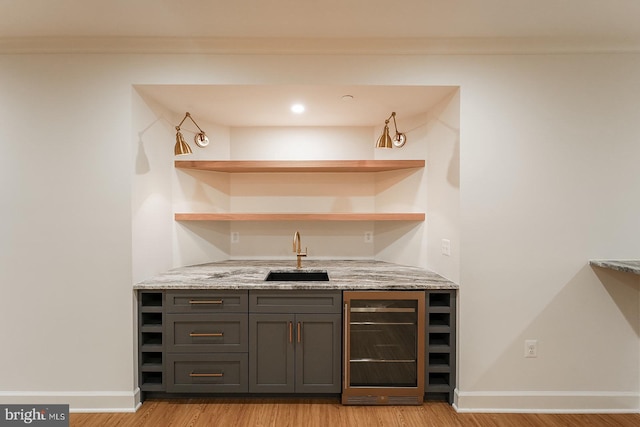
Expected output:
(329, 413)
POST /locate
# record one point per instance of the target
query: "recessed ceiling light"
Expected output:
(297, 108)
(347, 97)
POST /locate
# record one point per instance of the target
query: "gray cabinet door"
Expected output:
(318, 353)
(271, 353)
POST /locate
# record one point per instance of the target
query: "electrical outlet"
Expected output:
(531, 348)
(235, 237)
(368, 237)
(446, 247)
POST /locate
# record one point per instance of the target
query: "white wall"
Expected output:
(398, 191)
(65, 235)
(549, 153)
(443, 187)
(199, 191)
(403, 243)
(301, 192)
(548, 173)
(152, 214)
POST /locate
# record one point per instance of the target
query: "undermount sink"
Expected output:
(297, 276)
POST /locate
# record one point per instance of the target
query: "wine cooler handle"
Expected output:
(346, 353)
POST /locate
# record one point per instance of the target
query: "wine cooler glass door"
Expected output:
(383, 343)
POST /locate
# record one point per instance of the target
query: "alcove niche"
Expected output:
(358, 209)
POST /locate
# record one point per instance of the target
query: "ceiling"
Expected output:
(592, 19)
(116, 24)
(269, 105)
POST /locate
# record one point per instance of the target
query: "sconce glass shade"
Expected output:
(385, 140)
(181, 146)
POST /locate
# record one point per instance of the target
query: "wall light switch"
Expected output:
(235, 237)
(368, 236)
(446, 247)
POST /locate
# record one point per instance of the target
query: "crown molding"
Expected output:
(315, 46)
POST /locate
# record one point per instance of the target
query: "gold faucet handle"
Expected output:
(296, 242)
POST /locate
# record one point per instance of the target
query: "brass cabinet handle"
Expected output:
(217, 375)
(198, 301)
(212, 334)
(290, 332)
(299, 332)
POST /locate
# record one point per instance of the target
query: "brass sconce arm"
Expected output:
(385, 140)
(181, 146)
(187, 114)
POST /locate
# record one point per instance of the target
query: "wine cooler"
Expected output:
(383, 348)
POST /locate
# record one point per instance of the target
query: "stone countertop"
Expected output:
(343, 275)
(628, 266)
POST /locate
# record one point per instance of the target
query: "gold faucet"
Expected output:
(298, 250)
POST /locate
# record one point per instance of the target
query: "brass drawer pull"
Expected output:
(290, 332)
(193, 374)
(212, 334)
(197, 301)
(299, 330)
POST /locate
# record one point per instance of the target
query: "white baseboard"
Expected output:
(475, 401)
(579, 402)
(78, 401)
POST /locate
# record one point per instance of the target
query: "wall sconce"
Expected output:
(181, 146)
(385, 141)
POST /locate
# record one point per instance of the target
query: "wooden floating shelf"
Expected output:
(299, 216)
(252, 166)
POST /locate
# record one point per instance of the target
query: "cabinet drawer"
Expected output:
(305, 301)
(206, 301)
(207, 332)
(207, 373)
